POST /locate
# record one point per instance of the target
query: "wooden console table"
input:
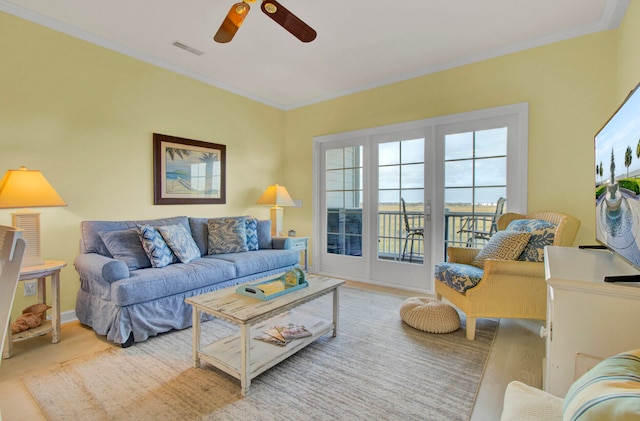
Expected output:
(50, 268)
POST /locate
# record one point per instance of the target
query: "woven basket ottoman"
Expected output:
(429, 315)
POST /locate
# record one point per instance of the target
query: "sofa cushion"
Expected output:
(503, 245)
(542, 234)
(260, 260)
(156, 248)
(125, 245)
(458, 276)
(152, 283)
(227, 235)
(180, 242)
(252, 234)
(609, 391)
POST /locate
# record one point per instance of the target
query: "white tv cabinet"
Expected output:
(587, 318)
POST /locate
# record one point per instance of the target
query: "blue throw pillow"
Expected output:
(154, 245)
(180, 241)
(125, 245)
(252, 234)
(542, 234)
(264, 234)
(227, 235)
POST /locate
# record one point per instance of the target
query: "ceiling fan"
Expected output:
(281, 15)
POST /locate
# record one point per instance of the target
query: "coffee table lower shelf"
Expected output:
(225, 353)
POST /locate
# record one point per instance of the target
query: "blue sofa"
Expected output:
(123, 297)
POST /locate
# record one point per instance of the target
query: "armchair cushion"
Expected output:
(458, 276)
(542, 234)
(503, 245)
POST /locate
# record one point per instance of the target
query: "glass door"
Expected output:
(401, 207)
(343, 239)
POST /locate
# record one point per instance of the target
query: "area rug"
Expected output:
(376, 368)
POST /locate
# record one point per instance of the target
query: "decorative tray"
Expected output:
(292, 280)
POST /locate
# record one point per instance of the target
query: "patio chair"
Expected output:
(411, 233)
(477, 231)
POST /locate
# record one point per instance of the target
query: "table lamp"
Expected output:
(277, 196)
(25, 188)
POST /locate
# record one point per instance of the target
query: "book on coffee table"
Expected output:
(283, 334)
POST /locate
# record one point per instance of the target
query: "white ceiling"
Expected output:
(361, 44)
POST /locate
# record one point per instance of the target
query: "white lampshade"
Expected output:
(25, 188)
(277, 196)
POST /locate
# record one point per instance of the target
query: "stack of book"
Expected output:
(283, 334)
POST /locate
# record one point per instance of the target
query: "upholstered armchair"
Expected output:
(503, 285)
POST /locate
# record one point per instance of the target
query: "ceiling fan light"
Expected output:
(270, 7)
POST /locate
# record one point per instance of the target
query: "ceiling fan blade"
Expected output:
(232, 22)
(288, 20)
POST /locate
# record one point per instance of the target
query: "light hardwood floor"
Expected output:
(516, 354)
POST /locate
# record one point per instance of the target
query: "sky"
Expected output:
(620, 132)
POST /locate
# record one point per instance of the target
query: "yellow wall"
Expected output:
(85, 116)
(629, 51)
(570, 89)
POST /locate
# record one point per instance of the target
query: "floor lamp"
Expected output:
(25, 188)
(276, 196)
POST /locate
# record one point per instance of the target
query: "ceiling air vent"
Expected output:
(187, 48)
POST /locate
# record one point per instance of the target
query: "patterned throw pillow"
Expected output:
(252, 234)
(503, 245)
(609, 391)
(227, 235)
(180, 241)
(542, 234)
(153, 244)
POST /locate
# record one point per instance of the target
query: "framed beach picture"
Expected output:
(187, 171)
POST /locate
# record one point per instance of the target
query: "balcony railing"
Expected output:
(392, 235)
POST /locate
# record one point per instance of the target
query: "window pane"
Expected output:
(412, 176)
(491, 142)
(412, 151)
(488, 196)
(458, 146)
(389, 177)
(335, 180)
(335, 158)
(454, 197)
(389, 153)
(458, 174)
(335, 200)
(491, 172)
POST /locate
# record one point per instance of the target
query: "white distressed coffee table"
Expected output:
(239, 354)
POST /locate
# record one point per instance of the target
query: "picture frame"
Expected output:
(188, 172)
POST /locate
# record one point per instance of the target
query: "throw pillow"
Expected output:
(542, 234)
(180, 241)
(503, 245)
(154, 245)
(227, 235)
(125, 245)
(252, 234)
(264, 234)
(609, 391)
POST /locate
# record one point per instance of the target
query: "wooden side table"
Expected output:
(50, 268)
(302, 244)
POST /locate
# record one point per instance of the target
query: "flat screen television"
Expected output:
(617, 167)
